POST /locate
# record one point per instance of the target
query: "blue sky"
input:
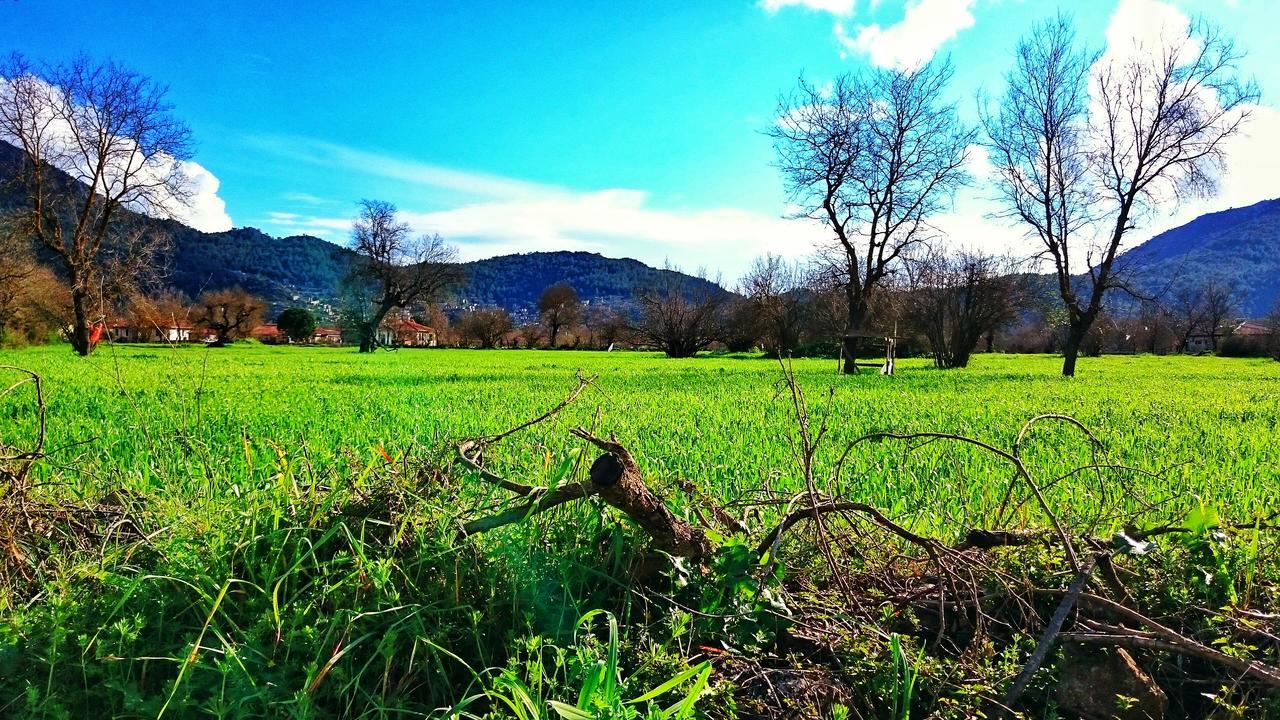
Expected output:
(625, 128)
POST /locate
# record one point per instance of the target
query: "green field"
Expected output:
(254, 470)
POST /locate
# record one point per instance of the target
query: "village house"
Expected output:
(327, 336)
(173, 332)
(268, 334)
(1252, 329)
(1249, 330)
(406, 332)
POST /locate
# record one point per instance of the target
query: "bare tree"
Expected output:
(1205, 309)
(777, 298)
(1159, 119)
(97, 140)
(486, 326)
(531, 335)
(1154, 328)
(872, 157)
(397, 268)
(229, 314)
(676, 318)
(560, 307)
(954, 300)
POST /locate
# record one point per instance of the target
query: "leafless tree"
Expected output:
(1158, 121)
(956, 299)
(776, 295)
(1205, 309)
(1154, 328)
(97, 141)
(873, 157)
(676, 318)
(486, 326)
(398, 269)
(228, 314)
(531, 335)
(560, 307)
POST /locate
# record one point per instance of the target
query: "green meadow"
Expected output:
(294, 548)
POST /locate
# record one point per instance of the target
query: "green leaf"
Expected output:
(570, 712)
(668, 685)
(1201, 519)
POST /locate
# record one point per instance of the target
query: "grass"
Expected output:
(303, 560)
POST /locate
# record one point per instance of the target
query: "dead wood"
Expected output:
(614, 477)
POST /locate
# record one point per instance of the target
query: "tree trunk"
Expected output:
(80, 326)
(369, 329)
(1071, 349)
(850, 343)
(555, 330)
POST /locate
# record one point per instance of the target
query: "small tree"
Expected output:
(486, 326)
(393, 269)
(151, 314)
(97, 141)
(228, 314)
(742, 326)
(956, 300)
(531, 335)
(677, 319)
(1203, 309)
(560, 307)
(298, 324)
(776, 295)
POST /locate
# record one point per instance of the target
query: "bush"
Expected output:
(1244, 346)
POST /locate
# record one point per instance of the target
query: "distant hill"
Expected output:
(1239, 246)
(303, 268)
(516, 281)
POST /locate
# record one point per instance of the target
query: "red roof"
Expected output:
(264, 331)
(1252, 328)
(409, 326)
(328, 331)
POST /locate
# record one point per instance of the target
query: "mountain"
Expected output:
(302, 268)
(1240, 246)
(516, 281)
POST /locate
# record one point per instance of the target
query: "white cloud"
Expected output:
(200, 206)
(926, 25)
(1252, 156)
(204, 208)
(1142, 26)
(318, 152)
(835, 7)
(495, 215)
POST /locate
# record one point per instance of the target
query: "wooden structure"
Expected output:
(888, 342)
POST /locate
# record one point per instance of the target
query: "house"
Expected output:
(1249, 331)
(406, 332)
(269, 334)
(165, 332)
(327, 336)
(1252, 329)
